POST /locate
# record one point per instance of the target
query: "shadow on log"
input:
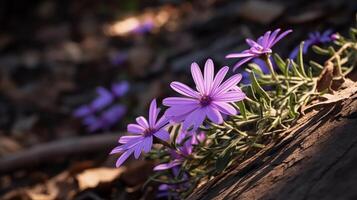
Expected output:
(317, 159)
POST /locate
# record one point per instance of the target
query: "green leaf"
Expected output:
(248, 89)
(316, 65)
(280, 63)
(293, 105)
(320, 50)
(256, 68)
(242, 109)
(300, 60)
(258, 89)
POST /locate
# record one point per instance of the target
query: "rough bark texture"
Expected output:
(317, 159)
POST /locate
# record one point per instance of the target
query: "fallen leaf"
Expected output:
(8, 145)
(336, 97)
(91, 178)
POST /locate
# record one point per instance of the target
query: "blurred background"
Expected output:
(74, 73)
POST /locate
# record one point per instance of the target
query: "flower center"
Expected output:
(205, 101)
(149, 132)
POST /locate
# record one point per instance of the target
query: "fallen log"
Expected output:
(45, 153)
(316, 159)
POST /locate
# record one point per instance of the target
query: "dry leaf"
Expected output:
(8, 145)
(93, 177)
(338, 96)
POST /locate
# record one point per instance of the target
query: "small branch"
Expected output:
(45, 153)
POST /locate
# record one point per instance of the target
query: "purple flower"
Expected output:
(143, 131)
(177, 156)
(210, 100)
(105, 97)
(83, 111)
(314, 38)
(261, 47)
(120, 89)
(198, 138)
(107, 119)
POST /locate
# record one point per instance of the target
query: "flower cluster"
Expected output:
(212, 98)
(205, 128)
(102, 113)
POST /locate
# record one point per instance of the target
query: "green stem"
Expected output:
(270, 66)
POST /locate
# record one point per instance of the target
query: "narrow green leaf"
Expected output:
(280, 63)
(242, 109)
(256, 87)
(256, 69)
(320, 50)
(295, 69)
(316, 65)
(300, 60)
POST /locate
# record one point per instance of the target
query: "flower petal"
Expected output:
(265, 41)
(230, 96)
(172, 101)
(281, 37)
(118, 149)
(127, 138)
(161, 122)
(123, 157)
(214, 115)
(147, 144)
(168, 165)
(219, 78)
(272, 37)
(208, 75)
(251, 42)
(162, 135)
(243, 61)
(138, 149)
(184, 89)
(228, 84)
(135, 128)
(153, 112)
(225, 108)
(180, 110)
(197, 77)
(245, 53)
(194, 119)
(142, 122)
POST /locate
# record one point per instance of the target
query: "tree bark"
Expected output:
(316, 159)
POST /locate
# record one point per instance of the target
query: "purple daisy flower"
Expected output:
(107, 119)
(210, 100)
(144, 131)
(314, 38)
(261, 47)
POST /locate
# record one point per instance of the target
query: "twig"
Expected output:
(47, 152)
